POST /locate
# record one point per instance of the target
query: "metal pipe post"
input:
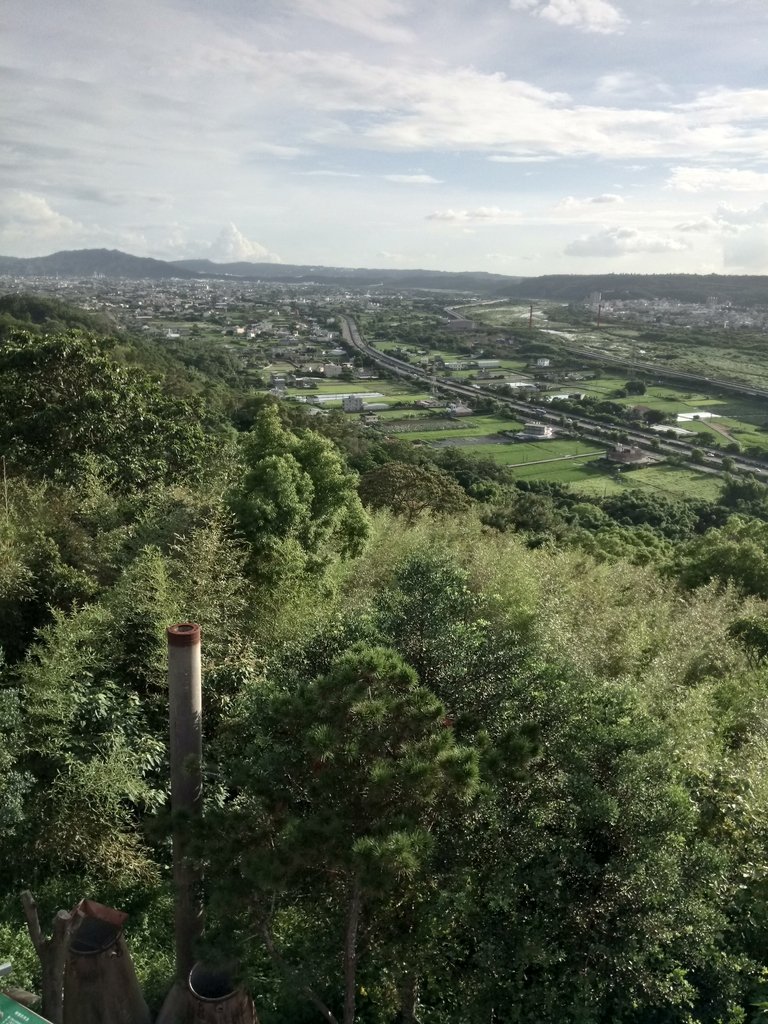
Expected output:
(185, 699)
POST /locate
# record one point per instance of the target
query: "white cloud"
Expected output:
(715, 179)
(275, 149)
(328, 174)
(747, 250)
(701, 226)
(621, 242)
(412, 179)
(29, 224)
(729, 105)
(585, 15)
(483, 214)
(604, 199)
(26, 211)
(501, 257)
(756, 215)
(370, 106)
(373, 18)
(624, 85)
(231, 245)
(519, 158)
(101, 114)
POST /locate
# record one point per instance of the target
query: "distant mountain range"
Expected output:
(87, 262)
(115, 264)
(111, 263)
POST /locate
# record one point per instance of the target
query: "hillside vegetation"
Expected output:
(476, 750)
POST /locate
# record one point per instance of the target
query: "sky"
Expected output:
(519, 137)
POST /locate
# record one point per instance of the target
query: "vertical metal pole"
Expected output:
(185, 698)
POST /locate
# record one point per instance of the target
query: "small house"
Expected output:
(457, 409)
(628, 455)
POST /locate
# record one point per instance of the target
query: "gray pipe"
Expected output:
(186, 706)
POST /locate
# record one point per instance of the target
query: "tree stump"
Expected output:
(214, 998)
(210, 997)
(52, 953)
(100, 984)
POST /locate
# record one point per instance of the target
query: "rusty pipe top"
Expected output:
(184, 634)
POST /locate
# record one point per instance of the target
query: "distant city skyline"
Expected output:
(513, 136)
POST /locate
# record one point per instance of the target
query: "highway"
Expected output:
(588, 429)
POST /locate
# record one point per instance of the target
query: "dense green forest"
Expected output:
(475, 750)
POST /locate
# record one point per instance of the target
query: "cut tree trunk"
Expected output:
(236, 1009)
(208, 998)
(52, 954)
(102, 988)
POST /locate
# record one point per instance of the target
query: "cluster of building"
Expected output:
(669, 313)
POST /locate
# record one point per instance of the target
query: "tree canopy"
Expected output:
(477, 748)
(64, 402)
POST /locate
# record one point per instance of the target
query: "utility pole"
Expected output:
(599, 312)
(530, 318)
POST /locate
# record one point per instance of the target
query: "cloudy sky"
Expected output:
(515, 136)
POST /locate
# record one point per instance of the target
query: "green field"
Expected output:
(403, 398)
(514, 452)
(670, 481)
(524, 452)
(588, 476)
(347, 387)
(576, 473)
(469, 426)
(405, 414)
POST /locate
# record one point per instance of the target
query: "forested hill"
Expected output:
(87, 262)
(739, 289)
(476, 749)
(360, 277)
(38, 314)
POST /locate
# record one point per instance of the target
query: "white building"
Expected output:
(539, 431)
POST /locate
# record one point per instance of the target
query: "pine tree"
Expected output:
(339, 785)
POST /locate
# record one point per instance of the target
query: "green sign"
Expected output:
(12, 1012)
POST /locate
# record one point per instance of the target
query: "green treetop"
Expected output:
(339, 786)
(297, 502)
